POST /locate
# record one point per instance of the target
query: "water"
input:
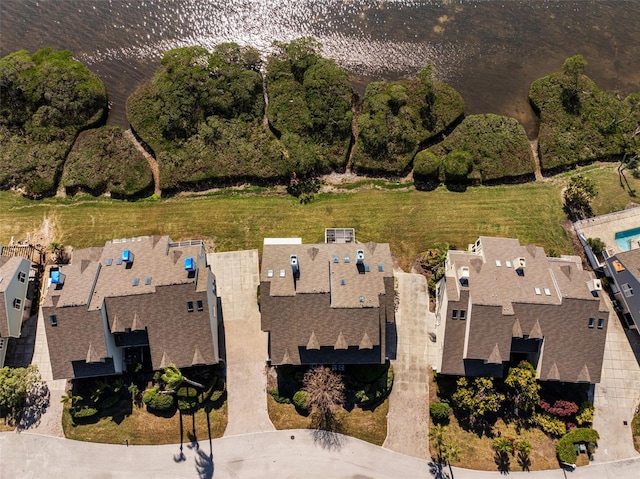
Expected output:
(489, 50)
(625, 239)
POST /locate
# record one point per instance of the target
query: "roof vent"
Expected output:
(189, 264)
(127, 256)
(57, 278)
(360, 256)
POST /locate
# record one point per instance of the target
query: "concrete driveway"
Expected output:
(246, 346)
(407, 424)
(618, 393)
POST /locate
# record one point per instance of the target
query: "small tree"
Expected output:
(573, 69)
(325, 395)
(596, 245)
(173, 378)
(503, 448)
(524, 449)
(523, 386)
(577, 197)
(15, 385)
(477, 401)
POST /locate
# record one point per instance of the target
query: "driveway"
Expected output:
(270, 455)
(407, 424)
(246, 346)
(618, 393)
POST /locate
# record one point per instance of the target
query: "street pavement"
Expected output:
(269, 455)
(407, 425)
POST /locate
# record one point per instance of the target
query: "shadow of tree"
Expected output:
(204, 464)
(36, 404)
(328, 431)
(524, 461)
(503, 462)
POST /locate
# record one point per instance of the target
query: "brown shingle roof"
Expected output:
(551, 301)
(333, 308)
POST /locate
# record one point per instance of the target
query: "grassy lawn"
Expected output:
(635, 430)
(142, 427)
(368, 425)
(411, 221)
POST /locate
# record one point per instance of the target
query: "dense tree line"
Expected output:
(47, 98)
(579, 122)
(483, 148)
(400, 116)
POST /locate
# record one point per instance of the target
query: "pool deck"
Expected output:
(605, 227)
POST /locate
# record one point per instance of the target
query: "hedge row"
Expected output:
(482, 148)
(564, 447)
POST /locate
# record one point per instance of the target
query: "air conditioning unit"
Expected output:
(595, 285)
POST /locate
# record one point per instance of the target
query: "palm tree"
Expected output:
(70, 398)
(173, 378)
(451, 453)
(437, 437)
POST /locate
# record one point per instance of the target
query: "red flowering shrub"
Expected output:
(560, 408)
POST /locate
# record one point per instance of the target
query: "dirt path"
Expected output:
(536, 159)
(153, 164)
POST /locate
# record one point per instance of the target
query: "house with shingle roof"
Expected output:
(624, 269)
(501, 302)
(14, 283)
(327, 303)
(144, 300)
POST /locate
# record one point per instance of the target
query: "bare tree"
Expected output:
(325, 391)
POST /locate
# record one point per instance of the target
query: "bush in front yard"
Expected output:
(549, 424)
(564, 448)
(109, 401)
(301, 400)
(84, 412)
(439, 412)
(161, 402)
(585, 414)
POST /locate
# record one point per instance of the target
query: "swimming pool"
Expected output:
(624, 238)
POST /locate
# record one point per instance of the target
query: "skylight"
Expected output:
(538, 292)
(269, 273)
(380, 267)
(147, 280)
(498, 263)
(109, 261)
(547, 291)
(507, 264)
(135, 282)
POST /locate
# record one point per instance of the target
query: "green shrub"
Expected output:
(596, 245)
(301, 400)
(439, 411)
(457, 165)
(426, 166)
(276, 396)
(564, 447)
(185, 391)
(83, 412)
(149, 394)
(585, 414)
(216, 395)
(161, 402)
(377, 390)
(186, 404)
(549, 424)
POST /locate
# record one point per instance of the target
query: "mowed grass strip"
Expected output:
(411, 221)
(143, 427)
(366, 424)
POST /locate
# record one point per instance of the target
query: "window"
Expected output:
(53, 320)
(463, 315)
(592, 322)
(17, 303)
(190, 306)
(22, 277)
(600, 323)
(454, 314)
(627, 290)
(199, 305)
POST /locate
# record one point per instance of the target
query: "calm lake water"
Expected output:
(489, 50)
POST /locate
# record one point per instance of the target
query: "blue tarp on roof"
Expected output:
(189, 264)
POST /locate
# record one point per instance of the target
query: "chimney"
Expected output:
(595, 285)
(295, 267)
(519, 264)
(360, 256)
(464, 276)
